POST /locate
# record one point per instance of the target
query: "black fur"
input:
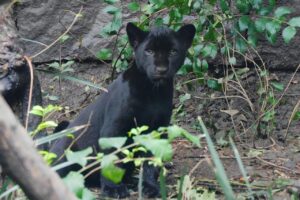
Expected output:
(142, 95)
(16, 85)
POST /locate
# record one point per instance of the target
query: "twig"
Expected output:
(115, 64)
(140, 183)
(196, 166)
(291, 118)
(28, 60)
(280, 167)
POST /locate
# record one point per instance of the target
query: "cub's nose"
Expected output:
(161, 70)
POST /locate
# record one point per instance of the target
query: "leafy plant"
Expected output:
(44, 113)
(61, 68)
(159, 146)
(227, 29)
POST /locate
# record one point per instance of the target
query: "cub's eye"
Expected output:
(3, 70)
(173, 52)
(149, 52)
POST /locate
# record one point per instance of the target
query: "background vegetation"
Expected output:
(226, 30)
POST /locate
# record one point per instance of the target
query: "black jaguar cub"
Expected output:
(142, 95)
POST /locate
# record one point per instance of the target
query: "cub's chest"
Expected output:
(154, 113)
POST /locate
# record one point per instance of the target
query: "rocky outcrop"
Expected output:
(42, 21)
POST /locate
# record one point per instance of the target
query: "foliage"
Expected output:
(154, 142)
(75, 182)
(61, 68)
(44, 113)
(157, 142)
(225, 29)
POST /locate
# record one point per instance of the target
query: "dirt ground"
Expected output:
(268, 162)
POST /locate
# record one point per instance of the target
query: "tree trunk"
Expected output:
(23, 164)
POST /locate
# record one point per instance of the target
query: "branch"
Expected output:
(23, 164)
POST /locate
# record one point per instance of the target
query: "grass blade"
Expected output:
(9, 191)
(241, 166)
(60, 134)
(219, 169)
(162, 184)
(74, 79)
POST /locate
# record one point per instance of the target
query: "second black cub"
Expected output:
(142, 95)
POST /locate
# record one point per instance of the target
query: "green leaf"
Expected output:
(46, 124)
(244, 22)
(111, 9)
(288, 33)
(48, 156)
(75, 182)
(87, 195)
(271, 38)
(192, 138)
(241, 45)
(212, 2)
(160, 148)
(269, 115)
(133, 6)
(264, 11)
(272, 27)
(204, 65)
(260, 24)
(209, 50)
(278, 86)
(281, 11)
(111, 1)
(243, 6)
(138, 130)
(295, 21)
(213, 84)
(224, 5)
(79, 157)
(104, 54)
(252, 39)
(255, 153)
(110, 171)
(37, 110)
(257, 3)
(116, 142)
(211, 35)
(64, 38)
(296, 115)
(232, 60)
(184, 97)
(272, 3)
(55, 65)
(174, 132)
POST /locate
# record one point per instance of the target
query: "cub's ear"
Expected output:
(135, 35)
(186, 34)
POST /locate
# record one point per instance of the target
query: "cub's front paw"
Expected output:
(116, 191)
(151, 189)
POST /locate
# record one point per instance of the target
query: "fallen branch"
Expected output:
(23, 164)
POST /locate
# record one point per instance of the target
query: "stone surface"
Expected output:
(45, 20)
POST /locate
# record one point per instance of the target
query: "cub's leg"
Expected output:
(150, 180)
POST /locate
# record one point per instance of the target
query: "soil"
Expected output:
(266, 160)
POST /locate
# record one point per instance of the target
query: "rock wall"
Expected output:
(45, 20)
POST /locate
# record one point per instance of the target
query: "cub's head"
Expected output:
(160, 52)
